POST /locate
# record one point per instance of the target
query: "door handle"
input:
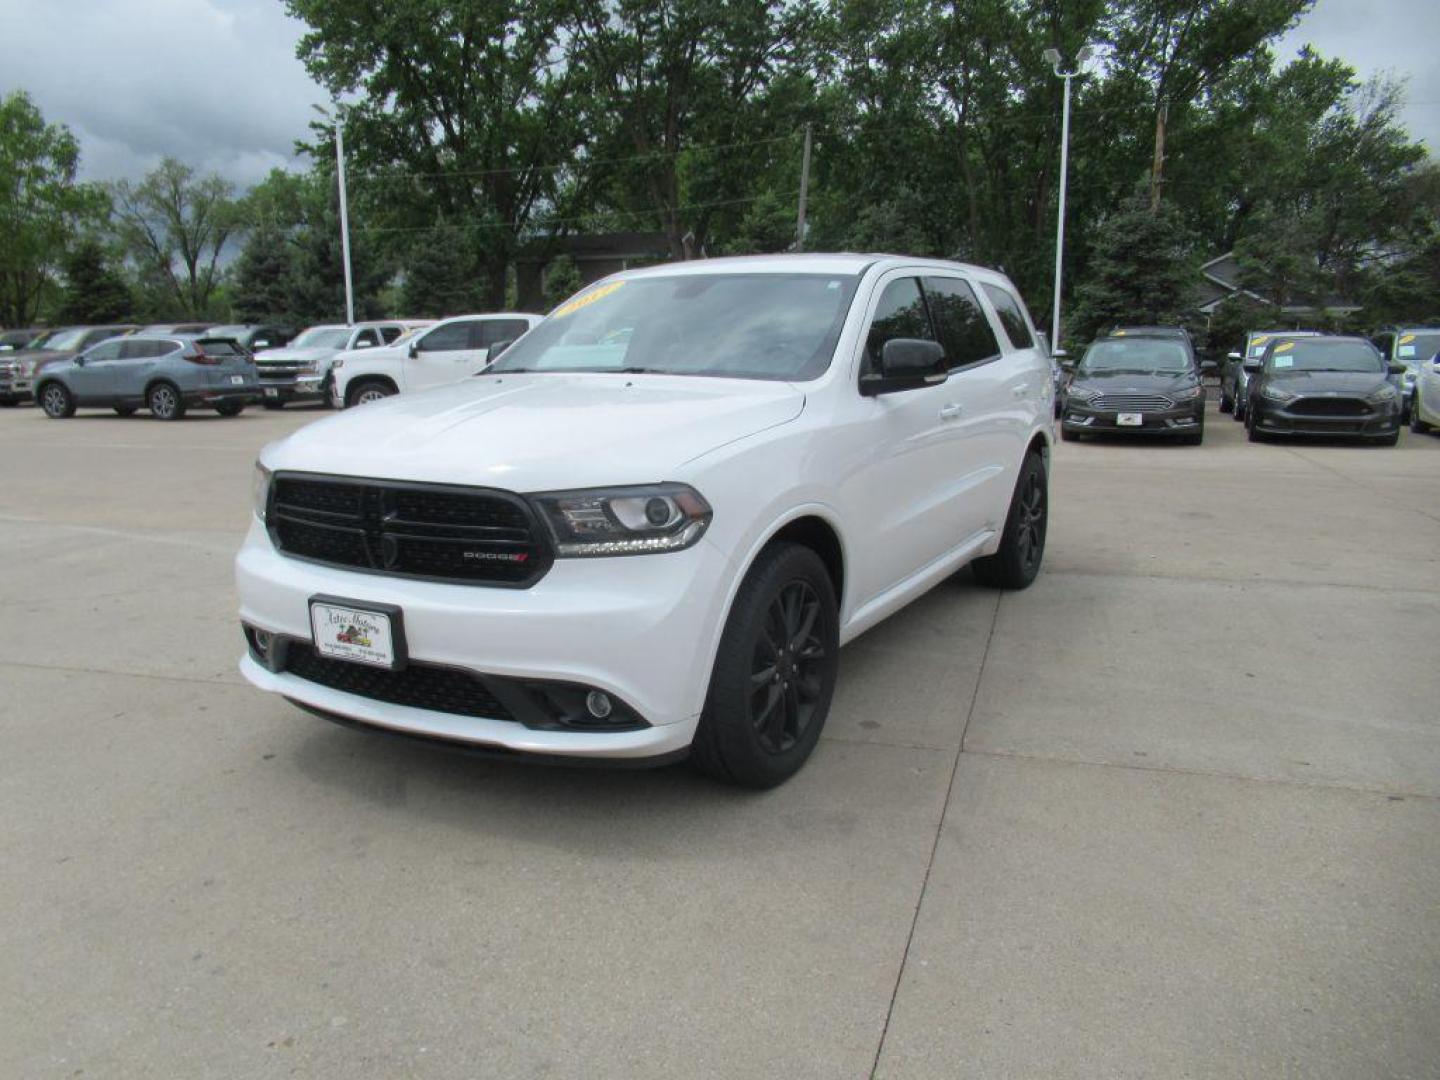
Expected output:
(951, 411)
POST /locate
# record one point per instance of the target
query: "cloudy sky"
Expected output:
(216, 83)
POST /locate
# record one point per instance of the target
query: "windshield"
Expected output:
(1142, 356)
(738, 326)
(322, 337)
(1412, 348)
(65, 339)
(1325, 356)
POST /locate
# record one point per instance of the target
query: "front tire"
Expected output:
(1022, 545)
(58, 402)
(367, 390)
(273, 406)
(164, 402)
(774, 672)
(1227, 403)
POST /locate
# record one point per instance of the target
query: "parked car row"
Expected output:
(126, 367)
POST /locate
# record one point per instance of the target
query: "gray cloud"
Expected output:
(216, 84)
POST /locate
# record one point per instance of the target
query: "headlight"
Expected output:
(1385, 393)
(260, 490)
(624, 521)
(1190, 393)
(1276, 393)
(1082, 393)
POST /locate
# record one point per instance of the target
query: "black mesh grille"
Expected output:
(468, 535)
(421, 686)
(1329, 407)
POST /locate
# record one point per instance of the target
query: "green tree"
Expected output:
(175, 226)
(263, 276)
(1142, 271)
(94, 290)
(40, 204)
(441, 273)
(562, 280)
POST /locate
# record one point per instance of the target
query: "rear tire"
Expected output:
(58, 402)
(774, 672)
(230, 408)
(1022, 545)
(367, 390)
(164, 402)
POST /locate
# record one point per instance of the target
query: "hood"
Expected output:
(1121, 382)
(1323, 382)
(287, 355)
(541, 432)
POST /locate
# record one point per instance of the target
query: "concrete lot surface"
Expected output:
(1172, 812)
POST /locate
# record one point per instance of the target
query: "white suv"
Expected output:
(647, 529)
(451, 350)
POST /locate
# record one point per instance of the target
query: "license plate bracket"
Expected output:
(1130, 419)
(358, 631)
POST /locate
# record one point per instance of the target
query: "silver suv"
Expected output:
(165, 374)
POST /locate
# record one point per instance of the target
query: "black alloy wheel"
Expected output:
(775, 671)
(57, 402)
(1022, 544)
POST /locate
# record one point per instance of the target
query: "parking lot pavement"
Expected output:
(1173, 811)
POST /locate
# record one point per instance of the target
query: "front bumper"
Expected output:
(1183, 419)
(1275, 418)
(641, 628)
(292, 387)
(15, 387)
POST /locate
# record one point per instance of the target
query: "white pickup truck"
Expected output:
(300, 371)
(450, 350)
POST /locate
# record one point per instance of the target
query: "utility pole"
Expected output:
(344, 215)
(804, 193)
(1157, 170)
(1053, 55)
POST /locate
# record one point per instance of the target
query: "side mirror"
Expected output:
(1397, 369)
(493, 352)
(906, 364)
(80, 360)
(1233, 356)
(1209, 365)
(1253, 363)
(414, 350)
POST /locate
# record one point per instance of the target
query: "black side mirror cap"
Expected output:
(906, 364)
(1252, 363)
(1397, 369)
(414, 350)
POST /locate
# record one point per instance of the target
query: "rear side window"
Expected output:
(220, 347)
(1012, 316)
(109, 351)
(447, 338)
(366, 338)
(960, 323)
(390, 333)
(490, 331)
(900, 314)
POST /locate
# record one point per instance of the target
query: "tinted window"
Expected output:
(1139, 355)
(366, 338)
(220, 348)
(389, 333)
(1012, 317)
(94, 337)
(960, 323)
(445, 338)
(1314, 355)
(493, 330)
(109, 351)
(899, 314)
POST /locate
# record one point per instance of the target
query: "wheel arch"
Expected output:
(354, 383)
(157, 380)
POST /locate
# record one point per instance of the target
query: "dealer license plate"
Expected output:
(1130, 419)
(237, 380)
(361, 635)
(270, 391)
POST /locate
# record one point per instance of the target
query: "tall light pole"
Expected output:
(338, 122)
(1053, 56)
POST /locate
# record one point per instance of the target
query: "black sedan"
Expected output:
(1328, 386)
(1135, 386)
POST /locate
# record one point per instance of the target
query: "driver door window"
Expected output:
(899, 314)
(444, 355)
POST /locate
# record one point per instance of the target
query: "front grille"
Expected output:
(420, 686)
(1327, 406)
(1131, 403)
(468, 535)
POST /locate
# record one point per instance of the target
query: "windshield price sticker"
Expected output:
(1407, 350)
(587, 299)
(1284, 361)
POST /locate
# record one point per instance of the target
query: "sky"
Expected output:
(216, 84)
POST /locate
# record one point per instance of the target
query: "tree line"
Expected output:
(479, 129)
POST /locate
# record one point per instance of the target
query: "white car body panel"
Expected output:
(915, 484)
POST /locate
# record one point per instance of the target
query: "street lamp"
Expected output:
(1053, 56)
(338, 123)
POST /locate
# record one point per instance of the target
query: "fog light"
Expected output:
(598, 704)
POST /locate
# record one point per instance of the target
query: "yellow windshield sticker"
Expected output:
(1407, 339)
(584, 300)
(1286, 347)
(1261, 339)
(1119, 333)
